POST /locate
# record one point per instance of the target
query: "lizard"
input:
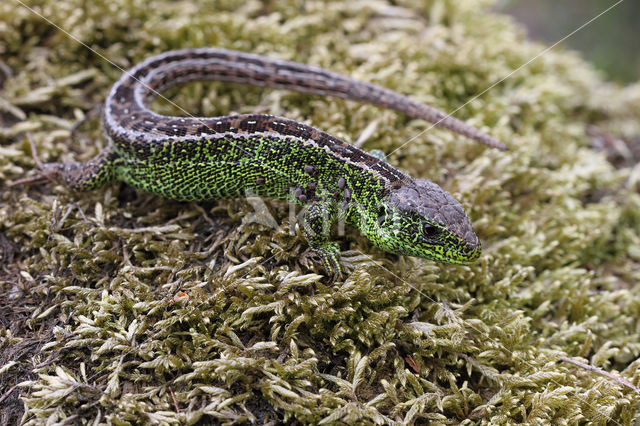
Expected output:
(204, 158)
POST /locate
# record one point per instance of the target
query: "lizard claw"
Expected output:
(46, 172)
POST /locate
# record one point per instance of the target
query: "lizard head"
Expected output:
(421, 219)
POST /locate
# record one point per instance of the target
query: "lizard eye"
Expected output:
(429, 230)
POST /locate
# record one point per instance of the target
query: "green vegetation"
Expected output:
(94, 324)
(610, 41)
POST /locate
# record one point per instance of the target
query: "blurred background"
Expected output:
(611, 42)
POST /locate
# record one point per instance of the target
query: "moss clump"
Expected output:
(121, 307)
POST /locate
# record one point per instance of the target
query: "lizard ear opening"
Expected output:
(382, 214)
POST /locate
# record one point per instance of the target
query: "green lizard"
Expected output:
(189, 158)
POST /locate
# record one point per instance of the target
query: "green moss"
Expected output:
(95, 326)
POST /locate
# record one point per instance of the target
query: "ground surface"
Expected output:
(93, 324)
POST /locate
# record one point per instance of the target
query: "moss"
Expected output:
(121, 307)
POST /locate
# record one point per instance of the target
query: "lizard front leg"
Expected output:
(379, 154)
(316, 227)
